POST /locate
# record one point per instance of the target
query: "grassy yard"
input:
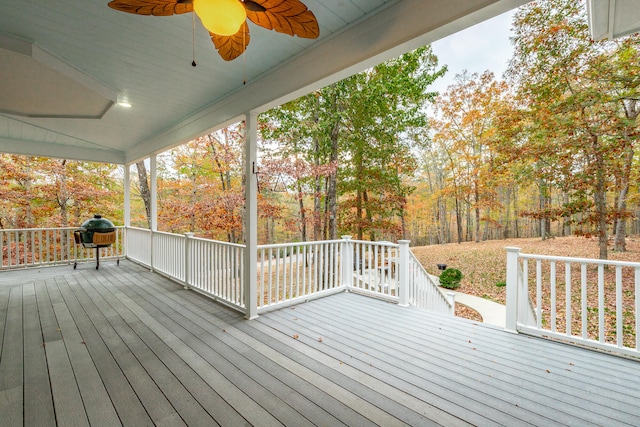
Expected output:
(484, 268)
(484, 264)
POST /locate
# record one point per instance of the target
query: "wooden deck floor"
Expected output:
(125, 346)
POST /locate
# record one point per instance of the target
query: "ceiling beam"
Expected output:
(59, 151)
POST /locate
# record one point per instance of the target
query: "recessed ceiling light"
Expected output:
(123, 100)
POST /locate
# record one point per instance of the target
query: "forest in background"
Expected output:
(549, 150)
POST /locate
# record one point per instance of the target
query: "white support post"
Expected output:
(251, 217)
(154, 192)
(451, 297)
(154, 202)
(403, 273)
(127, 207)
(346, 252)
(511, 324)
(127, 196)
(188, 255)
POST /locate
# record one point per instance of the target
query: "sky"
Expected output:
(484, 46)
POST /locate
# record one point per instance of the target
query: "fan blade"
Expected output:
(285, 16)
(230, 47)
(152, 7)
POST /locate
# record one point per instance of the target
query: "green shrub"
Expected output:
(501, 284)
(450, 278)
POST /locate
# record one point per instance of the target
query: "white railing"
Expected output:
(294, 271)
(168, 254)
(424, 292)
(216, 269)
(138, 245)
(286, 273)
(36, 247)
(589, 302)
(376, 268)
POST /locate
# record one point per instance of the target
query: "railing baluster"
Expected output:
(601, 329)
(270, 275)
(539, 292)
(552, 277)
(583, 300)
(637, 306)
(619, 307)
(567, 287)
(292, 294)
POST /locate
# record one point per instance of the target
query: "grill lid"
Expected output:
(97, 223)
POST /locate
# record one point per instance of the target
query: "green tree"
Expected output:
(356, 136)
(576, 91)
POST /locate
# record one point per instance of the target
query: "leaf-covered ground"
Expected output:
(484, 268)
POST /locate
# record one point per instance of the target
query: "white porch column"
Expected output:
(153, 188)
(512, 290)
(127, 196)
(188, 256)
(127, 206)
(347, 261)
(403, 273)
(251, 218)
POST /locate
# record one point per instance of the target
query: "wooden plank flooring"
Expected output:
(124, 346)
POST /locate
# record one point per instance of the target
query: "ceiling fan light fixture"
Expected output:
(221, 17)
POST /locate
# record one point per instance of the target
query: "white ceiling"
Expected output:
(64, 62)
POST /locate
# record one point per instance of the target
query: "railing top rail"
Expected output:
(219, 242)
(166, 233)
(380, 243)
(580, 260)
(11, 230)
(420, 267)
(289, 245)
(139, 229)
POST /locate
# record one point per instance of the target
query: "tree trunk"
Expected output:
(544, 203)
(359, 218)
(566, 222)
(506, 231)
(145, 193)
(365, 199)
(476, 209)
(317, 230)
(632, 111)
(302, 213)
(332, 187)
(458, 221)
(599, 198)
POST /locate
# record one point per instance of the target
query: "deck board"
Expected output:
(272, 394)
(38, 407)
(122, 345)
(484, 384)
(11, 360)
(123, 397)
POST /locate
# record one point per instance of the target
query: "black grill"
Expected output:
(97, 233)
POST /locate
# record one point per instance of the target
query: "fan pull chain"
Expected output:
(244, 54)
(193, 37)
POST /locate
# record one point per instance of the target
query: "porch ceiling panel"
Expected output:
(610, 19)
(102, 53)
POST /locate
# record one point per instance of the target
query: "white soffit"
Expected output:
(610, 19)
(34, 83)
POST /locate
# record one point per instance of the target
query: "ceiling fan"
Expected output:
(226, 20)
